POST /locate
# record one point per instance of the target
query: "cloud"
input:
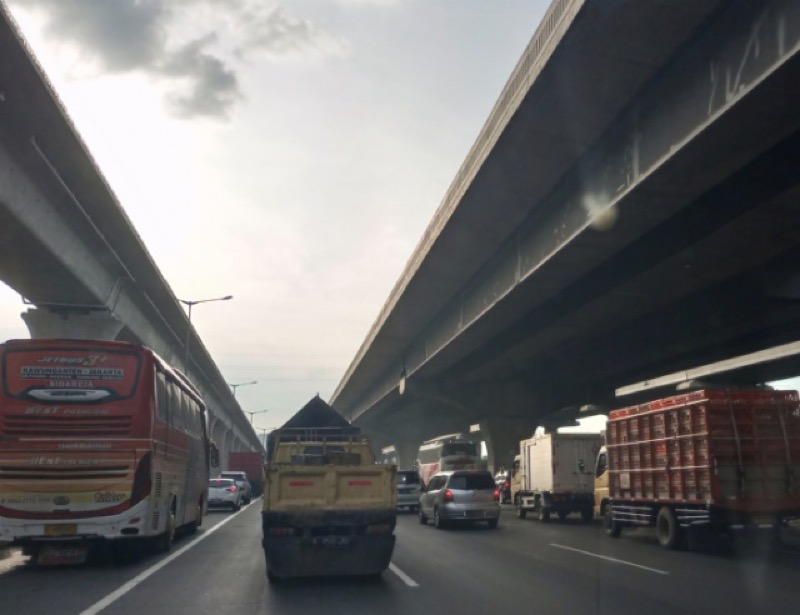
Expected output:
(182, 43)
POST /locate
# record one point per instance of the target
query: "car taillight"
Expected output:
(232, 489)
(448, 496)
(496, 495)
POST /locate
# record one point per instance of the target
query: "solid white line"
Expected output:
(609, 559)
(124, 589)
(403, 576)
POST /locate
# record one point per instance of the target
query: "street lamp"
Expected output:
(256, 412)
(191, 304)
(241, 384)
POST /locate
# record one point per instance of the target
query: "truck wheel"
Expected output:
(667, 528)
(562, 514)
(521, 512)
(544, 514)
(587, 515)
(422, 518)
(612, 528)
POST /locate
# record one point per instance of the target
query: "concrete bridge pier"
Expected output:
(502, 436)
(406, 451)
(72, 323)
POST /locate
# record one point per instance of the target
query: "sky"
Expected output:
(288, 153)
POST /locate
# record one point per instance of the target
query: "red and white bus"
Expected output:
(450, 452)
(99, 441)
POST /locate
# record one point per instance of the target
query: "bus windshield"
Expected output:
(460, 448)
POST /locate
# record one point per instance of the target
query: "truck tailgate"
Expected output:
(321, 488)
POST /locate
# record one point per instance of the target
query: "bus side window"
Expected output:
(162, 398)
(174, 404)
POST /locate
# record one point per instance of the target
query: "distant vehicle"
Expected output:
(408, 489)
(701, 463)
(224, 493)
(241, 482)
(447, 453)
(556, 475)
(503, 482)
(462, 496)
(100, 416)
(252, 464)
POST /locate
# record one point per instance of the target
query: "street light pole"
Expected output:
(241, 384)
(256, 412)
(190, 305)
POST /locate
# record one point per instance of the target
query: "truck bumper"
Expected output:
(328, 544)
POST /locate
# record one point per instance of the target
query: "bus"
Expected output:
(450, 452)
(100, 441)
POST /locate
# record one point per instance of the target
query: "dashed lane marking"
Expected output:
(403, 576)
(609, 559)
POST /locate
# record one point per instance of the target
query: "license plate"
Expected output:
(61, 556)
(61, 529)
(332, 541)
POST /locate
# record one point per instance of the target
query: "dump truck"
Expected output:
(556, 475)
(329, 509)
(700, 463)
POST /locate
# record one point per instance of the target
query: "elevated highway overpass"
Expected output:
(68, 248)
(629, 210)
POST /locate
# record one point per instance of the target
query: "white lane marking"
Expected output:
(403, 576)
(609, 559)
(124, 589)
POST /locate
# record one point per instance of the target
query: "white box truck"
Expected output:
(556, 475)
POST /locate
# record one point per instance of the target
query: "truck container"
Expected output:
(702, 463)
(252, 464)
(329, 509)
(556, 475)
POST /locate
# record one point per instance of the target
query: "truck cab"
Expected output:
(601, 483)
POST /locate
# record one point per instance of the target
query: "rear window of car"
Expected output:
(471, 482)
(407, 478)
(221, 483)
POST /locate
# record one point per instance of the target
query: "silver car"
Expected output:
(241, 482)
(223, 493)
(408, 489)
(462, 496)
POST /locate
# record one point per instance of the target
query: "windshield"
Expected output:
(291, 238)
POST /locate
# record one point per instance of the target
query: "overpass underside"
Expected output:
(673, 241)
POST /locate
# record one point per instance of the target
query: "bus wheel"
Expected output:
(198, 520)
(667, 528)
(166, 539)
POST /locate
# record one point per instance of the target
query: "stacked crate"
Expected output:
(740, 447)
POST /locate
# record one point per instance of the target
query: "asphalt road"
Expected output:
(560, 567)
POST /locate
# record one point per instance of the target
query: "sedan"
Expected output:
(464, 496)
(223, 493)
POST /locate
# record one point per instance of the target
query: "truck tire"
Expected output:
(562, 514)
(587, 514)
(422, 518)
(544, 514)
(521, 512)
(667, 529)
(611, 527)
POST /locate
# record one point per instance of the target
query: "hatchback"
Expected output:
(241, 482)
(464, 496)
(223, 493)
(408, 489)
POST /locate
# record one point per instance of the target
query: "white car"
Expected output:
(241, 482)
(223, 493)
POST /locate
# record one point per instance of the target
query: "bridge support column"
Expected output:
(502, 437)
(406, 452)
(45, 323)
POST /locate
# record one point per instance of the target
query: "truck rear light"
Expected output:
(379, 528)
(448, 496)
(280, 530)
(496, 495)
